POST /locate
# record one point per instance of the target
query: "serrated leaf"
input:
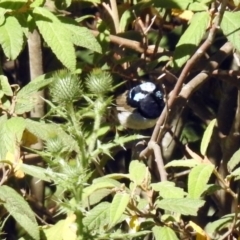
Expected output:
(41, 130)
(81, 36)
(10, 135)
(138, 171)
(20, 210)
(17, 126)
(191, 38)
(35, 85)
(11, 37)
(35, 171)
(168, 190)
(182, 163)
(26, 97)
(212, 227)
(97, 217)
(230, 27)
(207, 137)
(5, 86)
(56, 36)
(96, 197)
(118, 206)
(164, 233)
(234, 160)
(198, 178)
(185, 206)
(97, 186)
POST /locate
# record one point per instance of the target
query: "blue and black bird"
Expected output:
(140, 107)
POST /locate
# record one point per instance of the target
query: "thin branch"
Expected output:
(159, 160)
(115, 15)
(158, 130)
(137, 46)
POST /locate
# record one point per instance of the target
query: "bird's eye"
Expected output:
(159, 94)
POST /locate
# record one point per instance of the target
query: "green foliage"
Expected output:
(198, 178)
(230, 27)
(11, 37)
(85, 198)
(190, 39)
(207, 137)
(20, 210)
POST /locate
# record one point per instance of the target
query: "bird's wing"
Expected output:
(121, 103)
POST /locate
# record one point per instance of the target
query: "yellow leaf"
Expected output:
(28, 139)
(200, 234)
(133, 223)
(70, 228)
(10, 157)
(182, 14)
(17, 172)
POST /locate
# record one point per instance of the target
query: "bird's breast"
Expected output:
(135, 120)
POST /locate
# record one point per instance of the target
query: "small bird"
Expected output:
(140, 107)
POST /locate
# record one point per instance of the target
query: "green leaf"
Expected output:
(35, 85)
(185, 206)
(230, 27)
(41, 130)
(12, 4)
(2, 15)
(37, 3)
(236, 173)
(164, 233)
(198, 178)
(97, 217)
(234, 160)
(20, 210)
(5, 86)
(56, 36)
(212, 227)
(17, 126)
(81, 36)
(182, 163)
(191, 38)
(168, 190)
(11, 37)
(26, 98)
(96, 197)
(11, 132)
(117, 176)
(94, 187)
(118, 235)
(35, 171)
(138, 172)
(118, 206)
(207, 137)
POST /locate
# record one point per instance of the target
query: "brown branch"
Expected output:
(135, 45)
(158, 130)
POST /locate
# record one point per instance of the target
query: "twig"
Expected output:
(137, 46)
(115, 15)
(159, 160)
(157, 133)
